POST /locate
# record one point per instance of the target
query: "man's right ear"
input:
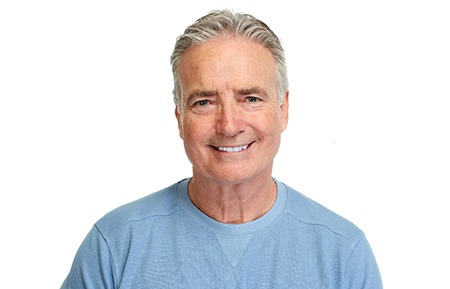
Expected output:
(180, 121)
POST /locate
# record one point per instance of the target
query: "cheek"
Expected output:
(194, 130)
(273, 121)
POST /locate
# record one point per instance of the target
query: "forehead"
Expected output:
(227, 63)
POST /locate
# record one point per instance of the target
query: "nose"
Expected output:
(229, 120)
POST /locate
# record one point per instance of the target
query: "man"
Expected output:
(231, 225)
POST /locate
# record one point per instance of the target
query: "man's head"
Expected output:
(225, 23)
(232, 97)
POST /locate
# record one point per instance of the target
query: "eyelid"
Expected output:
(197, 102)
(253, 97)
(196, 99)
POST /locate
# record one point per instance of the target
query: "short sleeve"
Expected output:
(92, 267)
(361, 270)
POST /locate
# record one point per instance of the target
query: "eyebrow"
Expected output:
(242, 91)
(202, 93)
(253, 90)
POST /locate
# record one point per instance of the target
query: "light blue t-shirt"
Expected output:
(164, 241)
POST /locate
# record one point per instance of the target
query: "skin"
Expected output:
(231, 122)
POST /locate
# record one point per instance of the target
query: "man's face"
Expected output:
(230, 118)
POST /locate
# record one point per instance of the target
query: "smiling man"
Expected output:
(230, 118)
(230, 225)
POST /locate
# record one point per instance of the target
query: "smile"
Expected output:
(233, 149)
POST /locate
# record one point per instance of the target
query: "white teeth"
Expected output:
(232, 149)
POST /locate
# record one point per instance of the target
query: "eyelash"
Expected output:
(252, 99)
(201, 102)
(204, 102)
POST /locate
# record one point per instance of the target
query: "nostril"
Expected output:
(230, 127)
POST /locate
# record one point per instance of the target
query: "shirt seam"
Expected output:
(293, 214)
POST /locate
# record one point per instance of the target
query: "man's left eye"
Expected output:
(252, 99)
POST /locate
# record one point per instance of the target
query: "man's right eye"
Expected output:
(202, 102)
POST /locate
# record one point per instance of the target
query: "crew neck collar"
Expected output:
(220, 228)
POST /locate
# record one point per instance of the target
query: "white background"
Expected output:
(87, 122)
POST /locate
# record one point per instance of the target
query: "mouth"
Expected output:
(233, 149)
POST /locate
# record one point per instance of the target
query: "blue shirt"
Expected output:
(164, 241)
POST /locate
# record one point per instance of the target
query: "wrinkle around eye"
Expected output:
(202, 107)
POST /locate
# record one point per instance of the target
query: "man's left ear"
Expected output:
(284, 108)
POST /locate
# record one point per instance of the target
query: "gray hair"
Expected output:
(228, 23)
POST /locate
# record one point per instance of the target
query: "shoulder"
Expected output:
(161, 203)
(310, 213)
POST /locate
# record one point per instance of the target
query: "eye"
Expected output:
(202, 102)
(252, 99)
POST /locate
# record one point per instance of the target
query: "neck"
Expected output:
(234, 203)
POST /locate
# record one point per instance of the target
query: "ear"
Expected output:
(284, 109)
(180, 121)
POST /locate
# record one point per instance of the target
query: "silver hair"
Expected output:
(219, 23)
